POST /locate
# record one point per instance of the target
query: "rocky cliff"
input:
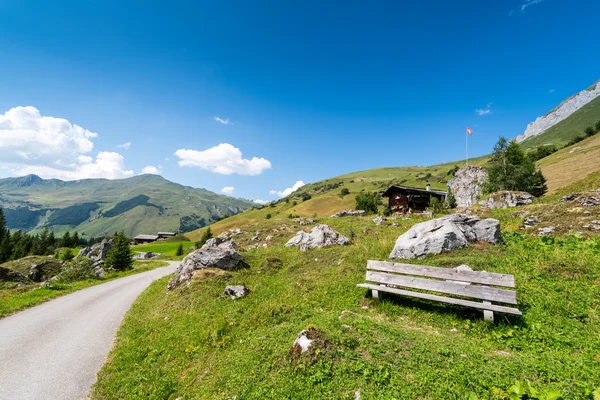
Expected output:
(560, 113)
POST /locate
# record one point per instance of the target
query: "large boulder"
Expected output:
(506, 199)
(447, 233)
(320, 236)
(98, 251)
(467, 185)
(216, 253)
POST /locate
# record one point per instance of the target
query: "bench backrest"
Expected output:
(444, 280)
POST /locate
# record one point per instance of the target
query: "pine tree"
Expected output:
(179, 250)
(5, 248)
(120, 257)
(66, 240)
(207, 235)
(52, 239)
(75, 240)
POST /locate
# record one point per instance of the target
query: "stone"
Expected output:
(268, 238)
(99, 272)
(379, 219)
(304, 221)
(531, 221)
(444, 234)
(570, 197)
(560, 113)
(589, 201)
(256, 237)
(236, 292)
(216, 253)
(467, 185)
(8, 275)
(320, 236)
(349, 213)
(302, 342)
(146, 256)
(98, 251)
(546, 231)
(574, 149)
(506, 199)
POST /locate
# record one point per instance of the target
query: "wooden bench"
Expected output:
(391, 277)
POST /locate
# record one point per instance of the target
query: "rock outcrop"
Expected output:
(320, 236)
(506, 199)
(467, 185)
(562, 112)
(236, 292)
(447, 233)
(349, 213)
(98, 251)
(216, 253)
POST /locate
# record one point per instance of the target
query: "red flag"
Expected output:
(469, 131)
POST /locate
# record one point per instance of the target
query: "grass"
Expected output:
(17, 299)
(195, 343)
(165, 248)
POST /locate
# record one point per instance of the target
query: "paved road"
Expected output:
(54, 351)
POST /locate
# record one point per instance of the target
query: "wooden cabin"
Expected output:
(165, 235)
(145, 239)
(404, 199)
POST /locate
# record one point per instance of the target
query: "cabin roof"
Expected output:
(146, 237)
(166, 233)
(411, 190)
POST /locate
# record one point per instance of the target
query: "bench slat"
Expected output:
(449, 300)
(459, 289)
(487, 278)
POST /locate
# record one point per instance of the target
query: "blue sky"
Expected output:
(304, 90)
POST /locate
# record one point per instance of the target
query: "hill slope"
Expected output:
(97, 207)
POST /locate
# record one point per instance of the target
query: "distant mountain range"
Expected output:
(566, 121)
(99, 207)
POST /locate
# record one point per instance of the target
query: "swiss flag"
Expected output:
(469, 131)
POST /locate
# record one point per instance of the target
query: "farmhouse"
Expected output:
(143, 239)
(403, 199)
(165, 235)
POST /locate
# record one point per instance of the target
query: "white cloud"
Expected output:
(150, 169)
(257, 201)
(228, 189)
(484, 111)
(223, 159)
(125, 146)
(222, 121)
(287, 191)
(166, 158)
(529, 3)
(551, 91)
(53, 148)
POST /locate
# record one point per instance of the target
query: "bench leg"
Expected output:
(488, 315)
(375, 294)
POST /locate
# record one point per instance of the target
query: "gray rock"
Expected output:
(570, 197)
(98, 251)
(8, 275)
(320, 236)
(99, 272)
(304, 221)
(562, 112)
(574, 149)
(256, 237)
(531, 221)
(467, 184)
(507, 199)
(146, 256)
(589, 201)
(216, 253)
(444, 234)
(236, 292)
(546, 231)
(379, 219)
(349, 213)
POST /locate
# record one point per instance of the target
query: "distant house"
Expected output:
(144, 239)
(403, 199)
(165, 235)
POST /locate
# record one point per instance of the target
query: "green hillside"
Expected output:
(561, 133)
(98, 207)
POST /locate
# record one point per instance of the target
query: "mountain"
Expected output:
(566, 121)
(98, 207)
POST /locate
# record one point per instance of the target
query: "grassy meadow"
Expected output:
(165, 248)
(195, 343)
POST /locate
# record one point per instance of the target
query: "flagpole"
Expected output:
(467, 147)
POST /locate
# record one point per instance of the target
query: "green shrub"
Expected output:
(67, 255)
(179, 251)
(597, 126)
(204, 238)
(590, 131)
(268, 216)
(436, 206)
(575, 140)
(79, 269)
(367, 201)
(345, 192)
(453, 170)
(542, 152)
(305, 196)
(450, 200)
(387, 212)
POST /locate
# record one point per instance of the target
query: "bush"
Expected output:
(345, 192)
(179, 251)
(590, 131)
(367, 201)
(67, 255)
(205, 236)
(436, 206)
(453, 171)
(268, 216)
(305, 196)
(597, 126)
(541, 152)
(79, 269)
(295, 203)
(387, 212)
(575, 140)
(120, 257)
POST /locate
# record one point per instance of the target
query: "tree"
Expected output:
(345, 192)
(450, 200)
(5, 248)
(75, 240)
(367, 201)
(120, 257)
(597, 126)
(590, 131)
(67, 255)
(511, 169)
(66, 240)
(205, 236)
(179, 250)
